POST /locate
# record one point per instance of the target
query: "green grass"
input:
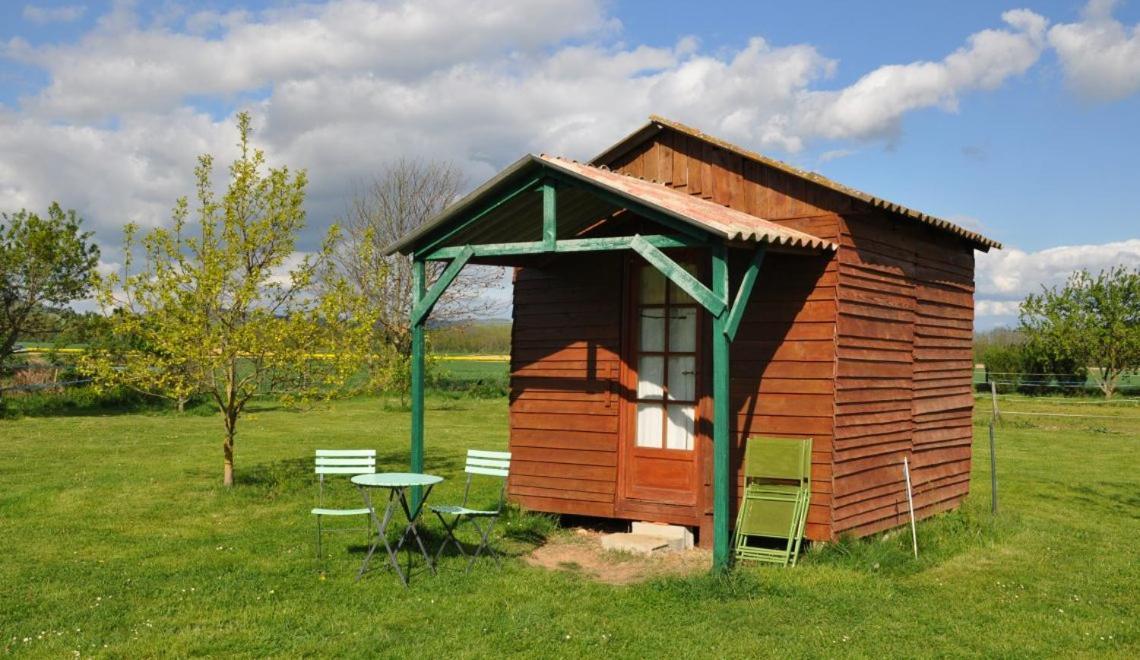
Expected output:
(490, 370)
(118, 541)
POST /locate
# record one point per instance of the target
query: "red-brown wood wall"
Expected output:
(904, 379)
(867, 352)
(565, 365)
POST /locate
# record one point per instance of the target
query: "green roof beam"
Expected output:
(565, 246)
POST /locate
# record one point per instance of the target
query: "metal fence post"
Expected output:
(993, 472)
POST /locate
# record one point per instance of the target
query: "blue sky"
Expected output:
(1018, 119)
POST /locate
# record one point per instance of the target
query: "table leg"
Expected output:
(381, 534)
(413, 519)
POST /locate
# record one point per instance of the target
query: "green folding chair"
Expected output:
(347, 462)
(774, 507)
(495, 464)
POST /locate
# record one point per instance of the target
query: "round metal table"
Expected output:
(397, 484)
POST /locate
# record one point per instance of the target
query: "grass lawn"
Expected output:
(118, 540)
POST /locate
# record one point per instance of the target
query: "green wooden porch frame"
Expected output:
(427, 302)
(725, 317)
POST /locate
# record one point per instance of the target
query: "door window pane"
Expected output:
(653, 329)
(650, 376)
(679, 432)
(682, 377)
(652, 286)
(683, 329)
(676, 293)
(649, 423)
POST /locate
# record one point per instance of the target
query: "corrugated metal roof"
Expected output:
(717, 220)
(656, 123)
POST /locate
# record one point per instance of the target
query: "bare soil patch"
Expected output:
(580, 552)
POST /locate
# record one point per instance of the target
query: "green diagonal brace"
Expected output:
(743, 294)
(679, 276)
(423, 308)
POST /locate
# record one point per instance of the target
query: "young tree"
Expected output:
(43, 261)
(223, 311)
(1093, 321)
(403, 197)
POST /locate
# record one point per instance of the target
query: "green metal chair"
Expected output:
(774, 507)
(484, 463)
(347, 462)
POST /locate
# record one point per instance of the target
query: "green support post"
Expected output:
(722, 424)
(417, 460)
(549, 217)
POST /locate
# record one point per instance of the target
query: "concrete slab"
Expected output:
(679, 537)
(639, 544)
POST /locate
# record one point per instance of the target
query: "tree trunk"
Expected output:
(228, 450)
(1108, 381)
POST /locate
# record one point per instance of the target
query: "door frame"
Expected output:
(625, 504)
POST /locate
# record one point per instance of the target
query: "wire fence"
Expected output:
(1088, 383)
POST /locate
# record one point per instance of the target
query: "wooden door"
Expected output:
(659, 443)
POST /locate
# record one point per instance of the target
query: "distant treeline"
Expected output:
(483, 337)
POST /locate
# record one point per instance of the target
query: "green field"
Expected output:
(119, 541)
(469, 370)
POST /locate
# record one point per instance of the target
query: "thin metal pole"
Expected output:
(993, 400)
(993, 472)
(910, 503)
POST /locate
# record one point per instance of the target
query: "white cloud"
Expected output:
(344, 87)
(875, 103)
(121, 66)
(1005, 277)
(44, 15)
(131, 173)
(1007, 308)
(1099, 55)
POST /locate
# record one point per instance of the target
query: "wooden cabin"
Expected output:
(679, 294)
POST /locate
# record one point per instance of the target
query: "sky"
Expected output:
(1017, 119)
